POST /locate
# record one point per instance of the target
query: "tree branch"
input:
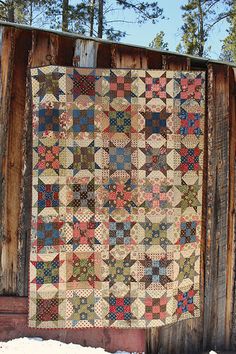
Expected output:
(121, 21)
(212, 5)
(220, 18)
(3, 3)
(138, 9)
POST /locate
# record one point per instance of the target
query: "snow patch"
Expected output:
(39, 346)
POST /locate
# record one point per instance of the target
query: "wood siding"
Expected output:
(216, 328)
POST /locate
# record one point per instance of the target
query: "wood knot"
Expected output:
(49, 58)
(76, 60)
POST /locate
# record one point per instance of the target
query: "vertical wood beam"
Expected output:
(44, 49)
(174, 62)
(16, 45)
(7, 59)
(125, 58)
(85, 53)
(230, 286)
(217, 259)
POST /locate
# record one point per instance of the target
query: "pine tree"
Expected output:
(158, 42)
(82, 16)
(90, 16)
(228, 51)
(200, 16)
(13, 11)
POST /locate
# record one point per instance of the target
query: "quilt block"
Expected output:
(116, 197)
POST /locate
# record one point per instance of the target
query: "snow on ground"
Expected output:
(39, 346)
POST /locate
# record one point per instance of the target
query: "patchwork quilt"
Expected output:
(116, 197)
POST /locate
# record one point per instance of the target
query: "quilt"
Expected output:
(116, 197)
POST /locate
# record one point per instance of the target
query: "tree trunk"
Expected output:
(100, 18)
(65, 15)
(201, 29)
(11, 11)
(31, 13)
(91, 18)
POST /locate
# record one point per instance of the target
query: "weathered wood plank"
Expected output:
(66, 47)
(44, 48)
(103, 56)
(7, 59)
(154, 60)
(122, 57)
(173, 62)
(231, 210)
(85, 53)
(231, 296)
(216, 255)
(13, 305)
(13, 114)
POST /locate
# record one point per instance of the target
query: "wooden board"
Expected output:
(219, 253)
(14, 68)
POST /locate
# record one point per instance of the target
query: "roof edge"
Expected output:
(100, 40)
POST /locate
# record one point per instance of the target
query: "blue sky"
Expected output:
(143, 34)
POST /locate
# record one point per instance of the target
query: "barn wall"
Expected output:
(216, 328)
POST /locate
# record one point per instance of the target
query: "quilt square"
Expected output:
(49, 233)
(188, 232)
(47, 310)
(83, 121)
(155, 309)
(48, 119)
(82, 196)
(120, 158)
(120, 120)
(83, 158)
(120, 86)
(48, 195)
(82, 84)
(119, 308)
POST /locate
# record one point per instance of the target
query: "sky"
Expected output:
(143, 34)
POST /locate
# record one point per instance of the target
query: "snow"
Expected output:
(39, 346)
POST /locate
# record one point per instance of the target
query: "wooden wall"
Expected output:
(216, 328)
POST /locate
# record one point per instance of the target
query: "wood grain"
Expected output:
(7, 60)
(122, 57)
(216, 254)
(173, 62)
(13, 70)
(231, 284)
(85, 54)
